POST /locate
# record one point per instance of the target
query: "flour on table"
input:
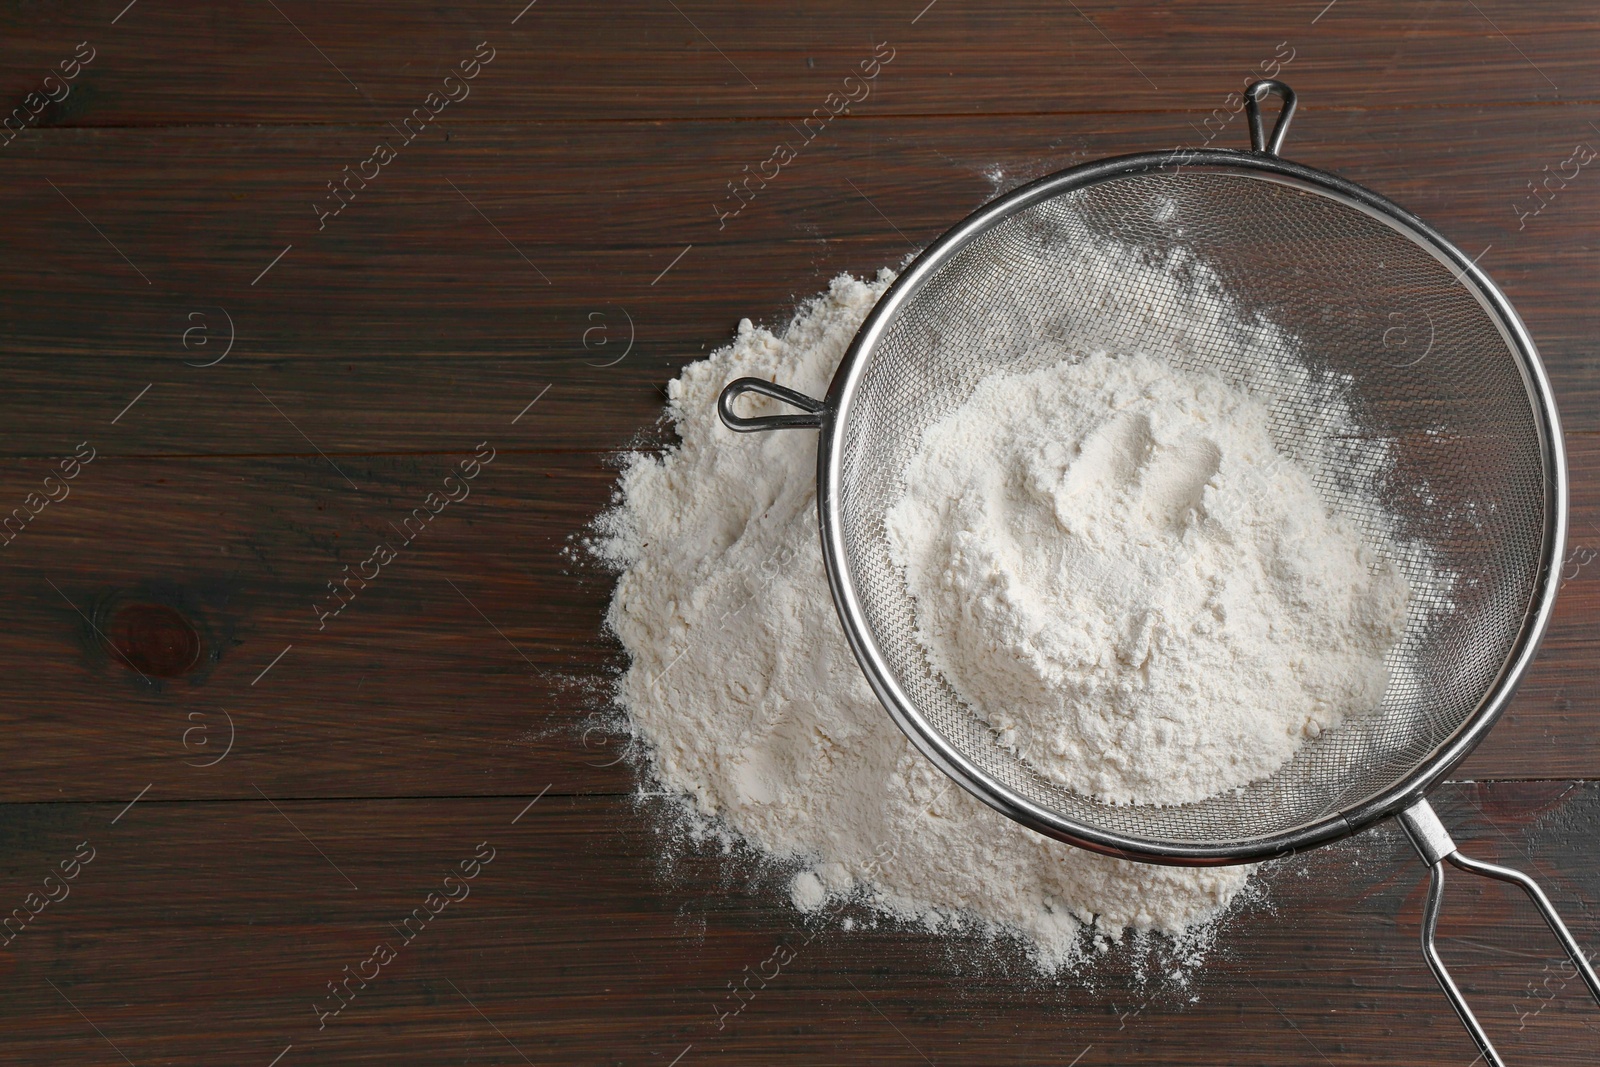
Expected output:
(1116, 568)
(755, 712)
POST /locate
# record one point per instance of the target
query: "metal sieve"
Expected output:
(1435, 364)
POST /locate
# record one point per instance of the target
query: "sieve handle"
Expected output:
(1433, 841)
(1252, 105)
(812, 419)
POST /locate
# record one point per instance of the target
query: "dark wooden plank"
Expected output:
(409, 690)
(412, 274)
(242, 63)
(206, 933)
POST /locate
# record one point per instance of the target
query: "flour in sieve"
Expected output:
(755, 712)
(1113, 564)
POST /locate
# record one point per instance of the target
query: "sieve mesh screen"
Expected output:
(1318, 284)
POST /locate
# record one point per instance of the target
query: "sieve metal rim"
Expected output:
(832, 418)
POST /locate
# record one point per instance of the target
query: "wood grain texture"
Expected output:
(564, 215)
(242, 63)
(205, 933)
(412, 273)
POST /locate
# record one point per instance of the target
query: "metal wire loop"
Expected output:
(1431, 951)
(738, 387)
(1252, 104)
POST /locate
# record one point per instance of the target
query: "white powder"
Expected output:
(743, 688)
(1116, 568)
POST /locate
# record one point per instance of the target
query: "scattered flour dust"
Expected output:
(743, 688)
(1115, 567)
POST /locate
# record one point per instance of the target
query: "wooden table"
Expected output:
(269, 372)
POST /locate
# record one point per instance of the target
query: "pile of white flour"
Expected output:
(1116, 568)
(753, 708)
